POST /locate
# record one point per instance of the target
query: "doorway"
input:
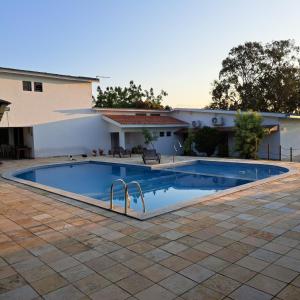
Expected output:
(114, 140)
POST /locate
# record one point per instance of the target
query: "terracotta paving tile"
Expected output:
(67, 292)
(280, 273)
(134, 283)
(23, 292)
(175, 263)
(290, 292)
(221, 284)
(213, 263)
(156, 272)
(202, 293)
(76, 273)
(157, 255)
(116, 272)
(197, 273)
(244, 245)
(111, 292)
(11, 283)
(92, 284)
(238, 273)
(122, 255)
(177, 284)
(49, 284)
(248, 293)
(252, 263)
(266, 284)
(6, 271)
(101, 263)
(138, 263)
(155, 292)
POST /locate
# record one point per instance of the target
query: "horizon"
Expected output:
(177, 46)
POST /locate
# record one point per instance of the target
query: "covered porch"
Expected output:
(127, 131)
(16, 142)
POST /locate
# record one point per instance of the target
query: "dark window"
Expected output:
(38, 86)
(140, 114)
(168, 133)
(157, 115)
(27, 86)
(161, 134)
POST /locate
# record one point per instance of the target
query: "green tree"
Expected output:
(260, 77)
(132, 96)
(206, 140)
(149, 137)
(248, 133)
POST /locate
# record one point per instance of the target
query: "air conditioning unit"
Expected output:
(196, 124)
(218, 121)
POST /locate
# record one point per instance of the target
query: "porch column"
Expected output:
(122, 139)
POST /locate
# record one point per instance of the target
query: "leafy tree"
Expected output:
(187, 145)
(248, 133)
(260, 77)
(206, 140)
(132, 96)
(149, 137)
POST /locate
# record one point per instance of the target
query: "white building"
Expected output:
(49, 113)
(52, 115)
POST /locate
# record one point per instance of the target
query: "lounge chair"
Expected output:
(150, 155)
(121, 152)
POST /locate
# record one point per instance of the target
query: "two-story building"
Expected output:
(52, 115)
(49, 113)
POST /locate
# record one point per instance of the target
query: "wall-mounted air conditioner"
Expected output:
(196, 124)
(218, 121)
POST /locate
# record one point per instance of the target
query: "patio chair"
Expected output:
(121, 152)
(150, 155)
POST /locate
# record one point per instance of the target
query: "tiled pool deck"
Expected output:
(242, 246)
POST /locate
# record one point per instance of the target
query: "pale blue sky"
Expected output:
(167, 44)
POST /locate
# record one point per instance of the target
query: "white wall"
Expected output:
(59, 100)
(206, 120)
(290, 137)
(76, 136)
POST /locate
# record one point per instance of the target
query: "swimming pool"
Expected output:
(162, 188)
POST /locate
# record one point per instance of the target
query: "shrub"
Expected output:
(248, 133)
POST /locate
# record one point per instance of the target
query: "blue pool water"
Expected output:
(161, 188)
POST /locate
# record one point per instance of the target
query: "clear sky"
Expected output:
(175, 45)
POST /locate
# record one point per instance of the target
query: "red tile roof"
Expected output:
(145, 120)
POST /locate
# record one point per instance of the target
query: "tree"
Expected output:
(149, 137)
(248, 133)
(129, 97)
(206, 140)
(260, 77)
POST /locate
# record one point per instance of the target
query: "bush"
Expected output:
(248, 133)
(206, 140)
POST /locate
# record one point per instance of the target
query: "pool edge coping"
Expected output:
(137, 215)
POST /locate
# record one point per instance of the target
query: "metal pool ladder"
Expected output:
(126, 194)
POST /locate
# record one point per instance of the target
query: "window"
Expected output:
(38, 86)
(168, 133)
(161, 134)
(27, 86)
(155, 114)
(140, 114)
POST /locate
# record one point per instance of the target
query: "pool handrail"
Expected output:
(141, 195)
(112, 191)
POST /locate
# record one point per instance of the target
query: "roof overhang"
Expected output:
(138, 126)
(47, 75)
(271, 128)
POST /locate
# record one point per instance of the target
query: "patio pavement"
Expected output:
(242, 246)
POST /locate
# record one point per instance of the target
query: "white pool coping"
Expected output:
(10, 175)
